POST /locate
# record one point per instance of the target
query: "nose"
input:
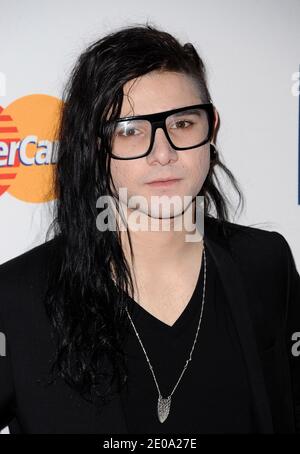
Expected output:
(162, 150)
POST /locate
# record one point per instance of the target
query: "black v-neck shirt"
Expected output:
(213, 396)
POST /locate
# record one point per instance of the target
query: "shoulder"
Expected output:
(23, 278)
(254, 247)
(25, 264)
(267, 266)
(245, 235)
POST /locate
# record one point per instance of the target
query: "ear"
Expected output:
(216, 124)
(217, 119)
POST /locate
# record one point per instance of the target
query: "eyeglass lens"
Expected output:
(131, 138)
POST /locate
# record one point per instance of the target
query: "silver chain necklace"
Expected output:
(164, 404)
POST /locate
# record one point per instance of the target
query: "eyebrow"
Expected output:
(187, 111)
(176, 114)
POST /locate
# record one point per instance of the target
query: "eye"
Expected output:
(127, 132)
(131, 128)
(182, 124)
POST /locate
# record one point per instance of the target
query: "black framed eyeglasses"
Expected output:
(185, 128)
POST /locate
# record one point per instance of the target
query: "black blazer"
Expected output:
(262, 285)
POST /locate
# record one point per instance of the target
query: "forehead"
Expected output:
(157, 92)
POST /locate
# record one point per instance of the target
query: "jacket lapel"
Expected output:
(237, 298)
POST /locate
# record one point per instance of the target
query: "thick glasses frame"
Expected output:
(158, 120)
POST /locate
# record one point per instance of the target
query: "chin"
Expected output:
(166, 212)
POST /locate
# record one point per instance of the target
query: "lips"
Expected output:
(163, 183)
(162, 180)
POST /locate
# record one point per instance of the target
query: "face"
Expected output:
(152, 93)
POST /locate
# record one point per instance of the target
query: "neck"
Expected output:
(167, 241)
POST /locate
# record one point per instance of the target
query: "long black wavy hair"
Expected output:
(86, 311)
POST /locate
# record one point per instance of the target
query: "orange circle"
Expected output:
(37, 116)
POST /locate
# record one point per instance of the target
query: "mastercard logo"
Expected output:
(28, 145)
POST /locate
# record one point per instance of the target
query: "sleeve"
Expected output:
(7, 397)
(292, 324)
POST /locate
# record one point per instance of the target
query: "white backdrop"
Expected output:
(252, 52)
